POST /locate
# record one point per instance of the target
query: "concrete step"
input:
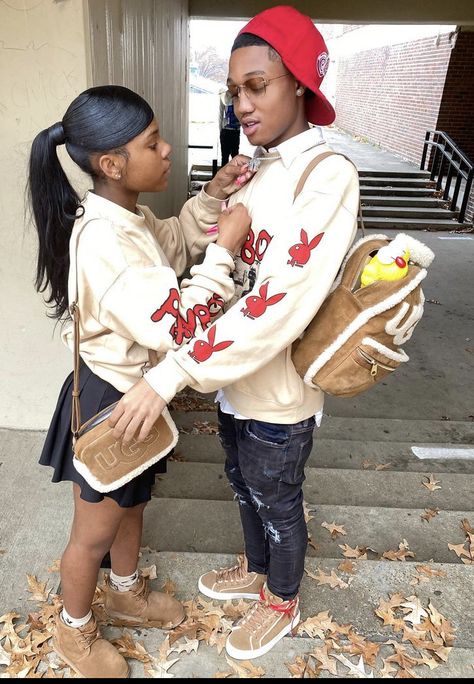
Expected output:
(355, 455)
(390, 201)
(395, 223)
(370, 582)
(323, 486)
(195, 525)
(401, 191)
(363, 173)
(361, 429)
(398, 212)
(397, 181)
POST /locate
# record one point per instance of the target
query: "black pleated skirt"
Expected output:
(95, 394)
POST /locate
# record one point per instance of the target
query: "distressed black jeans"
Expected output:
(265, 467)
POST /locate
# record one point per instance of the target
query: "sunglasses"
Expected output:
(252, 87)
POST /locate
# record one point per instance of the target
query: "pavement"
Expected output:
(363, 474)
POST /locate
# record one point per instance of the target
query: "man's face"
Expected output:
(273, 115)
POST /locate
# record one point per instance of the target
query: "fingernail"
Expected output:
(212, 230)
(223, 205)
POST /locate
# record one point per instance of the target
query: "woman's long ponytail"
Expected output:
(54, 203)
(100, 119)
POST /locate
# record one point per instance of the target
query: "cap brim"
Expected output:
(319, 110)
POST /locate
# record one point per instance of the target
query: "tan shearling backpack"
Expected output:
(355, 338)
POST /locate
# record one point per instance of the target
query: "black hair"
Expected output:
(101, 119)
(250, 39)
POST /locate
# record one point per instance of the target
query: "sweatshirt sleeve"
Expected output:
(294, 278)
(141, 298)
(184, 239)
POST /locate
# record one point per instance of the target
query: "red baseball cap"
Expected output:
(302, 50)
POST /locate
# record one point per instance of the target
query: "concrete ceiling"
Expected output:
(459, 12)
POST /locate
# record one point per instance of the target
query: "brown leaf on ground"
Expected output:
(37, 589)
(334, 529)
(432, 484)
(317, 625)
(429, 513)
(298, 667)
(246, 669)
(430, 571)
(326, 662)
(149, 572)
(401, 554)
(348, 552)
(414, 610)
(333, 580)
(129, 648)
(347, 566)
(459, 550)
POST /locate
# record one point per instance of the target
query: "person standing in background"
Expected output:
(229, 130)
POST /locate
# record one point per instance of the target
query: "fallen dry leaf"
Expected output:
(429, 513)
(37, 589)
(334, 529)
(333, 580)
(432, 484)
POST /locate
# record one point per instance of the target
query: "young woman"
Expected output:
(128, 262)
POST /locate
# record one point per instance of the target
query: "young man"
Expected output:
(283, 274)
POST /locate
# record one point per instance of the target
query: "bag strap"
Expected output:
(75, 315)
(312, 165)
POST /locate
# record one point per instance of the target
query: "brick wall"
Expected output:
(391, 95)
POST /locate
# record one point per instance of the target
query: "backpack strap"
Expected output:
(312, 165)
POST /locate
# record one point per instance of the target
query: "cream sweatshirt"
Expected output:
(283, 274)
(127, 281)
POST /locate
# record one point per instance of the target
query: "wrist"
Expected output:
(213, 189)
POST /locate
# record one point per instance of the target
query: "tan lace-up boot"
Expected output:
(141, 607)
(267, 621)
(87, 653)
(232, 583)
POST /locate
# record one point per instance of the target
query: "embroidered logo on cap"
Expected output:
(323, 64)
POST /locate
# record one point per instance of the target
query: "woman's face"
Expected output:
(148, 165)
(274, 115)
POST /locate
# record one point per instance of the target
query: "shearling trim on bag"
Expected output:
(360, 320)
(400, 356)
(99, 486)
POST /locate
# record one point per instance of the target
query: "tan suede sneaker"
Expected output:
(263, 626)
(232, 583)
(141, 607)
(87, 653)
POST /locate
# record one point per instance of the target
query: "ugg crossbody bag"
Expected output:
(103, 461)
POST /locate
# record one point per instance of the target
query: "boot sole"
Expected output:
(257, 652)
(228, 595)
(74, 668)
(124, 621)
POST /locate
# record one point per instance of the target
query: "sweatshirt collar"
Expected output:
(289, 150)
(104, 208)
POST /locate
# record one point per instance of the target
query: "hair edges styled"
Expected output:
(251, 40)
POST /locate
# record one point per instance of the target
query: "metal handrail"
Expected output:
(459, 167)
(206, 147)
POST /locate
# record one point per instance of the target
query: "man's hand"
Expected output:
(230, 178)
(136, 412)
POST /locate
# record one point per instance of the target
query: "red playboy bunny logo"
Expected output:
(203, 350)
(256, 306)
(301, 252)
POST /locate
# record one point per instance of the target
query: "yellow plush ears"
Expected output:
(353, 341)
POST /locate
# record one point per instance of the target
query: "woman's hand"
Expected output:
(136, 412)
(230, 177)
(233, 225)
